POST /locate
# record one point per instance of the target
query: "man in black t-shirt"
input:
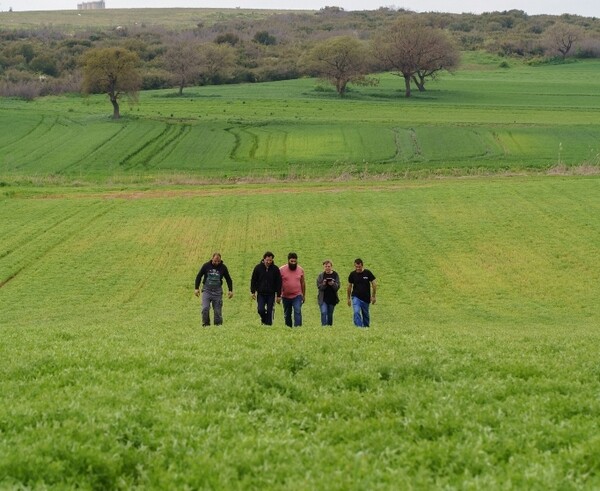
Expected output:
(362, 289)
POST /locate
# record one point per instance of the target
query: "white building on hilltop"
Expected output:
(91, 5)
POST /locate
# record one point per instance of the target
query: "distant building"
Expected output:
(91, 5)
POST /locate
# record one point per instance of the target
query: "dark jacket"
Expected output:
(335, 286)
(265, 281)
(209, 272)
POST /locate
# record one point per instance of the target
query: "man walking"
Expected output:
(211, 276)
(293, 290)
(362, 288)
(265, 287)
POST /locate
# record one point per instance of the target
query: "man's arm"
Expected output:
(198, 280)
(349, 292)
(303, 286)
(373, 291)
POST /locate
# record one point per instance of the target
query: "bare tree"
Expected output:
(414, 51)
(561, 37)
(182, 59)
(339, 60)
(440, 54)
(113, 71)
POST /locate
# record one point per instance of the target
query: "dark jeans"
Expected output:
(265, 307)
(326, 314)
(214, 297)
(294, 304)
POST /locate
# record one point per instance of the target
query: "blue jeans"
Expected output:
(361, 312)
(294, 304)
(265, 307)
(326, 314)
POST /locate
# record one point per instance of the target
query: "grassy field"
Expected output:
(480, 370)
(172, 18)
(482, 119)
(481, 367)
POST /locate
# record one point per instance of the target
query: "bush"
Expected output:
(27, 90)
(155, 78)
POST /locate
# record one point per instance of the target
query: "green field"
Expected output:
(480, 370)
(482, 119)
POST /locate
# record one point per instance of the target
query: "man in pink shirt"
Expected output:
(293, 290)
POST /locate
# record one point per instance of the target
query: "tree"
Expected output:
(414, 51)
(561, 37)
(217, 61)
(113, 71)
(439, 55)
(182, 59)
(339, 60)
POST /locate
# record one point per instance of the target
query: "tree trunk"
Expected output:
(419, 82)
(115, 104)
(407, 85)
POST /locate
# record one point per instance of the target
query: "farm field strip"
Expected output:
(526, 117)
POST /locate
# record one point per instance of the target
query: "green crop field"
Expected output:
(482, 119)
(480, 370)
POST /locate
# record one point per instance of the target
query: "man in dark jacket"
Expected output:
(265, 287)
(211, 275)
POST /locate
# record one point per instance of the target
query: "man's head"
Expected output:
(216, 259)
(327, 266)
(292, 260)
(358, 265)
(268, 258)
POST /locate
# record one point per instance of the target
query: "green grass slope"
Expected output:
(480, 370)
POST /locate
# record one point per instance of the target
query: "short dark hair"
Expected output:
(268, 254)
(292, 255)
(358, 260)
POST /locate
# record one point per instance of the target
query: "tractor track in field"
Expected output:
(199, 192)
(26, 135)
(42, 253)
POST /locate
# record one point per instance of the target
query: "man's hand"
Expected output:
(278, 299)
(197, 292)
(230, 294)
(254, 296)
(373, 300)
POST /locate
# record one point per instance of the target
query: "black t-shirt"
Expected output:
(361, 284)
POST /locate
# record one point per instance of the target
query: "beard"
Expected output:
(292, 266)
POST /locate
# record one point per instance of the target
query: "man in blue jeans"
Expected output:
(293, 290)
(362, 289)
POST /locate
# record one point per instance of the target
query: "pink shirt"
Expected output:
(290, 281)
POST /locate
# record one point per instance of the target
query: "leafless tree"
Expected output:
(414, 51)
(561, 37)
(182, 59)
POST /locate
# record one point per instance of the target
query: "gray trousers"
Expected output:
(214, 297)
